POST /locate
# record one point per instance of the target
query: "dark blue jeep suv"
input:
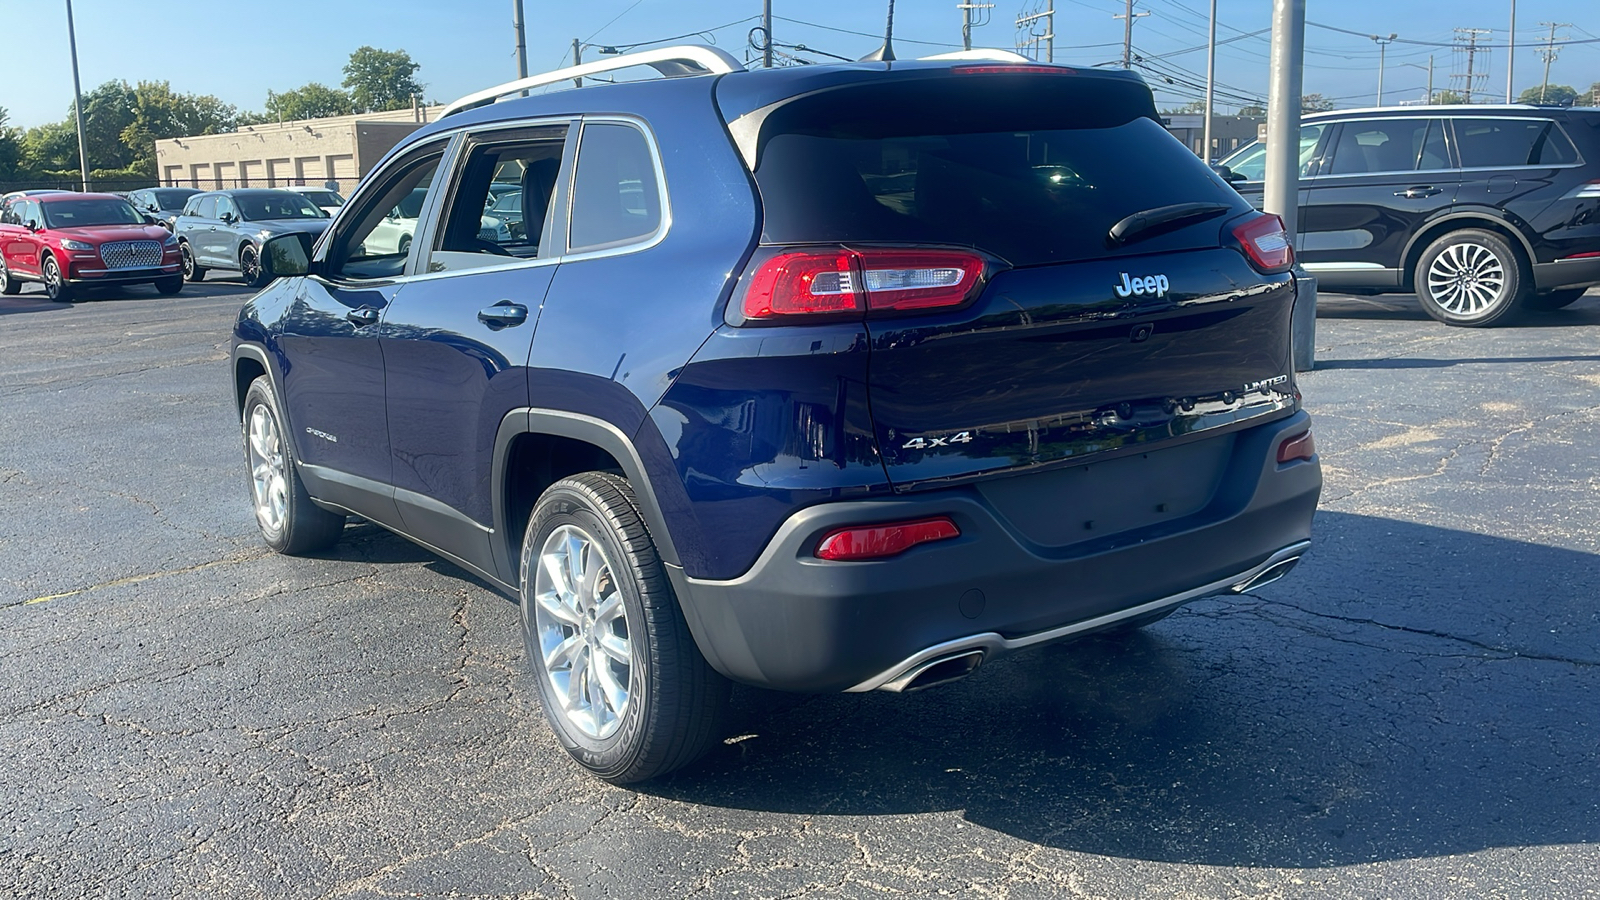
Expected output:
(834, 378)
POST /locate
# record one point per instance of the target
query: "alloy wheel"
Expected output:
(268, 470)
(1466, 279)
(52, 279)
(250, 264)
(582, 628)
(188, 262)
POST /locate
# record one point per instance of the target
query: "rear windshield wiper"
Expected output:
(1151, 222)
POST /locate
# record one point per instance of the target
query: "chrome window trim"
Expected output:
(644, 242)
(1345, 267)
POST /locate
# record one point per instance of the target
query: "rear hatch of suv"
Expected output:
(1046, 274)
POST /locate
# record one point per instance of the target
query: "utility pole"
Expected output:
(967, 23)
(1211, 85)
(1286, 69)
(1383, 48)
(522, 38)
(1511, 50)
(1471, 49)
(1127, 34)
(766, 32)
(1048, 16)
(577, 60)
(77, 93)
(1550, 52)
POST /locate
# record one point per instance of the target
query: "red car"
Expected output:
(68, 241)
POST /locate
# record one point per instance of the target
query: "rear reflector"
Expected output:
(1265, 243)
(840, 280)
(1301, 447)
(883, 541)
(1012, 69)
(1594, 254)
(1587, 191)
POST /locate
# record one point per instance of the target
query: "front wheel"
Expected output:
(621, 681)
(250, 266)
(1472, 278)
(55, 286)
(289, 521)
(1556, 299)
(191, 269)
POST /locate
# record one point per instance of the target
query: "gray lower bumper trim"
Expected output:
(901, 674)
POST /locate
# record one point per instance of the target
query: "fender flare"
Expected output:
(602, 434)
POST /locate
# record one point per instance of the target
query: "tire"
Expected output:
(405, 246)
(290, 523)
(1561, 299)
(250, 266)
(672, 701)
(191, 269)
(1473, 278)
(8, 286)
(169, 287)
(55, 286)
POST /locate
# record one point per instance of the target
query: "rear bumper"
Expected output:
(1567, 273)
(794, 622)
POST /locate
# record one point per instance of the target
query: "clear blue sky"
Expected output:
(239, 51)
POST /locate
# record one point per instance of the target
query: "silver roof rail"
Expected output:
(982, 54)
(689, 59)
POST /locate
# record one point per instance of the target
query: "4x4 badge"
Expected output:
(960, 437)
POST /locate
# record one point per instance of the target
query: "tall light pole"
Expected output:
(1211, 82)
(77, 94)
(766, 34)
(1511, 50)
(1426, 68)
(522, 38)
(1286, 72)
(1383, 47)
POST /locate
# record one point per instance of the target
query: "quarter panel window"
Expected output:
(1494, 143)
(615, 197)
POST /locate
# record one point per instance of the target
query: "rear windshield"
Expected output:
(171, 199)
(949, 173)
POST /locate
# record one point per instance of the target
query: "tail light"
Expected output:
(1012, 69)
(864, 542)
(1299, 447)
(842, 280)
(1265, 243)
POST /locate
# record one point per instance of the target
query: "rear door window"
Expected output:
(616, 199)
(481, 232)
(1381, 145)
(1498, 143)
(207, 208)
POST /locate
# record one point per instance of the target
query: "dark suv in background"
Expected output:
(1483, 211)
(834, 378)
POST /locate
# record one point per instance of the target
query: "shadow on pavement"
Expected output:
(1405, 307)
(1288, 730)
(1424, 363)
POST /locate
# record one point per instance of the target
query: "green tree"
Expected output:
(10, 150)
(1315, 103)
(107, 110)
(380, 80)
(159, 112)
(314, 101)
(52, 147)
(1448, 98)
(1252, 110)
(1190, 108)
(1554, 95)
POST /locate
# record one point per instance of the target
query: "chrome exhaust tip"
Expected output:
(1267, 576)
(934, 672)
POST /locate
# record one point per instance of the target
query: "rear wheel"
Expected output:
(167, 287)
(55, 286)
(1556, 299)
(289, 521)
(621, 681)
(1472, 278)
(8, 285)
(191, 269)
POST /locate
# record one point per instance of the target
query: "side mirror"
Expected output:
(229, 218)
(1228, 175)
(286, 256)
(31, 224)
(150, 219)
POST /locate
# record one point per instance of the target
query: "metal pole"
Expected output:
(1430, 79)
(1050, 34)
(77, 93)
(1511, 51)
(577, 60)
(1383, 48)
(522, 38)
(1286, 69)
(966, 26)
(766, 29)
(1127, 38)
(1211, 81)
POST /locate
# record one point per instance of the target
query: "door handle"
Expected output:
(1417, 193)
(362, 317)
(503, 314)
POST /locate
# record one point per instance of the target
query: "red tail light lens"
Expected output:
(1301, 447)
(883, 541)
(1265, 243)
(831, 281)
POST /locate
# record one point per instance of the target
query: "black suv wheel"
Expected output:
(620, 678)
(1473, 278)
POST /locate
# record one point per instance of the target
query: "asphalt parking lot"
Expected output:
(1412, 713)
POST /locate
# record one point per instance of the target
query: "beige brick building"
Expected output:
(306, 152)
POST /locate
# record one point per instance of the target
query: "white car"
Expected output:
(328, 200)
(393, 235)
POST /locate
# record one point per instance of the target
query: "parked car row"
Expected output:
(1483, 211)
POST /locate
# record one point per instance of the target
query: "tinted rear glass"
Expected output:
(1027, 177)
(1486, 143)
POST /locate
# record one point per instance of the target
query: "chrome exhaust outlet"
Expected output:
(1267, 576)
(934, 672)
